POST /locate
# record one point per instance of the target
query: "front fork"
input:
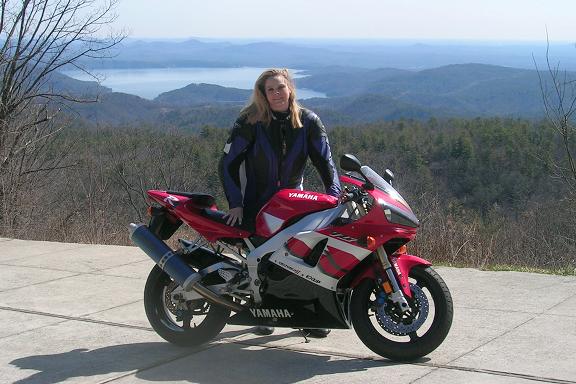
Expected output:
(391, 286)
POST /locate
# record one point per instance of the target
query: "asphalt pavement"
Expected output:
(74, 313)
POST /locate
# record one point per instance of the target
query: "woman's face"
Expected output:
(277, 93)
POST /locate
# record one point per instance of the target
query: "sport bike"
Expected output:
(311, 261)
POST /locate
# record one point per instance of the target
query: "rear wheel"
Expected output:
(384, 329)
(181, 322)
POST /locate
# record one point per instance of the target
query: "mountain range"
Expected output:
(456, 90)
(354, 95)
(309, 54)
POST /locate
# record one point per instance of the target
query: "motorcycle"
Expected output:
(312, 261)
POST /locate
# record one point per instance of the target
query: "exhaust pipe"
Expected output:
(171, 263)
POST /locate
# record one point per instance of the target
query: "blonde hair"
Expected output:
(258, 109)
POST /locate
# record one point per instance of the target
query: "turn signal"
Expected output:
(402, 250)
(370, 242)
(387, 287)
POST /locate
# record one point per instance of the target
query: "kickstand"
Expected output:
(304, 334)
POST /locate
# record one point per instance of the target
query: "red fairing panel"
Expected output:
(373, 224)
(288, 204)
(187, 211)
(298, 248)
(336, 263)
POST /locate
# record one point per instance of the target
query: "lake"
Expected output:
(149, 83)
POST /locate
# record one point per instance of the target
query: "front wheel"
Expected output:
(181, 322)
(403, 336)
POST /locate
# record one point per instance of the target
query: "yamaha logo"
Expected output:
(306, 196)
(172, 200)
(344, 237)
(262, 312)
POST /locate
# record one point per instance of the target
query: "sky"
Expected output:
(484, 20)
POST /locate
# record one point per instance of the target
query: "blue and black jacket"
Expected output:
(260, 160)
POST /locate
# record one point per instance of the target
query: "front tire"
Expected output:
(391, 334)
(186, 324)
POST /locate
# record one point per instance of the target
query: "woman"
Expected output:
(268, 149)
(269, 146)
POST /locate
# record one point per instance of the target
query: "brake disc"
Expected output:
(177, 301)
(393, 321)
(168, 302)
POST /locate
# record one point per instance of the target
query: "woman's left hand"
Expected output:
(234, 215)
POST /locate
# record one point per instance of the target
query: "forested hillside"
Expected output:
(481, 187)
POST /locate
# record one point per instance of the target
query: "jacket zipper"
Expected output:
(283, 150)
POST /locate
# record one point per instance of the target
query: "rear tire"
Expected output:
(198, 324)
(403, 337)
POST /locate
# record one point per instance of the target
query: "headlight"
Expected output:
(397, 216)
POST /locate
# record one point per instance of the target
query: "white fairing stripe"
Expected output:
(310, 238)
(306, 225)
(358, 252)
(272, 222)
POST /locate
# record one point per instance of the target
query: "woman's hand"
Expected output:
(234, 215)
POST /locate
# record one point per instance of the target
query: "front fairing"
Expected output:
(388, 218)
(385, 187)
(287, 205)
(396, 209)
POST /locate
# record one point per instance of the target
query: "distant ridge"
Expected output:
(311, 54)
(354, 95)
(62, 84)
(458, 89)
(198, 94)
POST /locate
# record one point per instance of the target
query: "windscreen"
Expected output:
(383, 185)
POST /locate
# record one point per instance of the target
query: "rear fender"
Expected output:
(403, 264)
(163, 223)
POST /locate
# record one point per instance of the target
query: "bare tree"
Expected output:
(37, 39)
(558, 90)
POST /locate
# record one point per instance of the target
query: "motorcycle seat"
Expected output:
(200, 200)
(218, 216)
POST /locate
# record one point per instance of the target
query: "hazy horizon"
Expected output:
(489, 20)
(355, 40)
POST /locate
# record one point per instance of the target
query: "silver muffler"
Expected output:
(174, 266)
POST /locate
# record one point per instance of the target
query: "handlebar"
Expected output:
(355, 195)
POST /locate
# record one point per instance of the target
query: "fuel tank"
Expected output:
(289, 205)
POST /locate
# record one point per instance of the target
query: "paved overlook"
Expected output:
(74, 313)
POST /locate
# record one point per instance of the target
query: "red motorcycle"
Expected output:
(312, 261)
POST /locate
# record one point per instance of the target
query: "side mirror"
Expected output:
(350, 163)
